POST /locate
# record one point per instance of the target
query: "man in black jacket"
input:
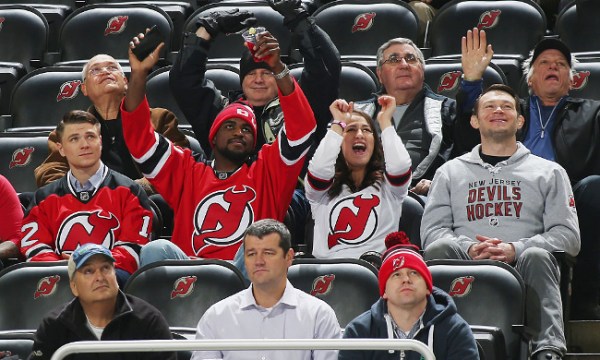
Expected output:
(100, 311)
(558, 128)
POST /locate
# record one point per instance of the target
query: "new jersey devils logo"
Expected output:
(183, 286)
(398, 263)
(221, 218)
(68, 90)
(46, 286)
(353, 220)
(489, 19)
(84, 227)
(322, 285)
(21, 157)
(580, 80)
(461, 286)
(363, 22)
(449, 81)
(116, 25)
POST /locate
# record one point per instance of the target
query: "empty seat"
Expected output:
(472, 283)
(184, 289)
(444, 75)
(20, 154)
(349, 286)
(107, 29)
(28, 291)
(576, 25)
(10, 73)
(16, 343)
(229, 48)
(225, 78)
(24, 35)
(357, 82)
(359, 27)
(56, 91)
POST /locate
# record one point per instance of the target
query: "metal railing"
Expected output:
(241, 344)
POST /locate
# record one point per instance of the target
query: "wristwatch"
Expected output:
(338, 122)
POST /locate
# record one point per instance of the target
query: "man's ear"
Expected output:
(520, 121)
(73, 288)
(60, 149)
(474, 121)
(378, 73)
(289, 257)
(83, 89)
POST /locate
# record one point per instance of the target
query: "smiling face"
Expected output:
(103, 76)
(358, 143)
(95, 281)
(406, 289)
(550, 75)
(259, 87)
(496, 117)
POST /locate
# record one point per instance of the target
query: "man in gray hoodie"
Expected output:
(503, 203)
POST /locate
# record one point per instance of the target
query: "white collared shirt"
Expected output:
(297, 315)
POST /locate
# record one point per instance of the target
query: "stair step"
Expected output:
(583, 339)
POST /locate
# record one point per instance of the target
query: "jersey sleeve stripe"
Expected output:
(399, 180)
(318, 183)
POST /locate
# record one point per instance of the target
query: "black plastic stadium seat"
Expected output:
(184, 289)
(349, 286)
(24, 35)
(576, 25)
(10, 73)
(28, 291)
(20, 154)
(16, 344)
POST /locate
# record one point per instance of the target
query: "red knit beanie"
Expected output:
(399, 255)
(236, 110)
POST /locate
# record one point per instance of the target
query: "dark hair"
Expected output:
(265, 227)
(76, 117)
(499, 87)
(374, 171)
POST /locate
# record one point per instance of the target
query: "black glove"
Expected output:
(227, 22)
(291, 10)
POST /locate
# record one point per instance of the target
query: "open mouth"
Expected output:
(359, 148)
(552, 77)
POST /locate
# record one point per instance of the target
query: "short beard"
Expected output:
(234, 156)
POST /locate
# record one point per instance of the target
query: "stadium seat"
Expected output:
(24, 35)
(228, 49)
(504, 21)
(444, 75)
(15, 344)
(184, 289)
(359, 27)
(472, 283)
(410, 220)
(107, 29)
(28, 291)
(56, 91)
(357, 82)
(225, 77)
(576, 25)
(10, 73)
(20, 154)
(349, 286)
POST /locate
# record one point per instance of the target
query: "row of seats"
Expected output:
(183, 290)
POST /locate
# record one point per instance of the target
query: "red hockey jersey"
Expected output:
(211, 214)
(117, 215)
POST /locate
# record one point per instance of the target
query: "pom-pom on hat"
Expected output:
(237, 110)
(401, 254)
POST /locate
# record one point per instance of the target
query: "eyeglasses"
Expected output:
(394, 59)
(97, 70)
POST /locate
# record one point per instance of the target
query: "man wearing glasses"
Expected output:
(423, 119)
(104, 83)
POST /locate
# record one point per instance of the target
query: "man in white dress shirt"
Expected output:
(271, 308)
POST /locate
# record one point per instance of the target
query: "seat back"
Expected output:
(335, 281)
(357, 82)
(20, 154)
(108, 29)
(184, 289)
(504, 21)
(24, 34)
(29, 291)
(225, 78)
(575, 25)
(56, 91)
(475, 285)
(10, 74)
(16, 343)
(359, 27)
(229, 48)
(410, 219)
(444, 75)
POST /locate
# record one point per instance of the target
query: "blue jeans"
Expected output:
(160, 249)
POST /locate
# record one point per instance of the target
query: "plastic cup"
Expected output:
(250, 39)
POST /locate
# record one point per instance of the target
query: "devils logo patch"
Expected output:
(449, 81)
(116, 25)
(21, 157)
(489, 19)
(84, 227)
(46, 286)
(353, 220)
(461, 286)
(183, 286)
(322, 285)
(68, 90)
(363, 22)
